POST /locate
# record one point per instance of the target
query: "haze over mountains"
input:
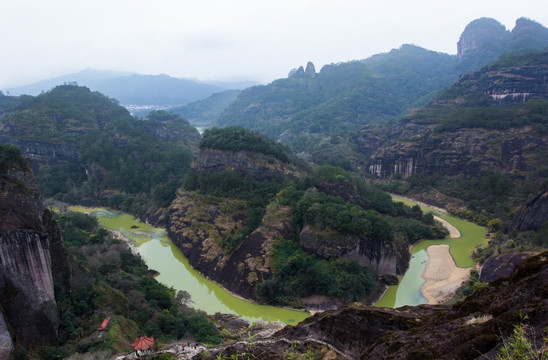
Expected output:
(273, 204)
(139, 90)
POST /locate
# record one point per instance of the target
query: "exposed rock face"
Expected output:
(485, 39)
(255, 165)
(469, 152)
(197, 228)
(416, 148)
(384, 257)
(534, 214)
(471, 329)
(370, 138)
(310, 69)
(480, 34)
(41, 153)
(509, 84)
(501, 265)
(32, 258)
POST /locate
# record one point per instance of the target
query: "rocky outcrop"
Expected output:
(507, 85)
(258, 166)
(483, 34)
(41, 152)
(534, 213)
(497, 266)
(383, 257)
(485, 39)
(310, 69)
(418, 146)
(469, 152)
(471, 329)
(197, 224)
(32, 259)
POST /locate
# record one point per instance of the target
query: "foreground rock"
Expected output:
(470, 329)
(32, 259)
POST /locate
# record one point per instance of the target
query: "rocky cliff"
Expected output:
(32, 259)
(385, 257)
(484, 39)
(483, 123)
(198, 223)
(255, 165)
(534, 214)
(471, 329)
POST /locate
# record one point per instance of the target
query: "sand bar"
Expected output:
(442, 276)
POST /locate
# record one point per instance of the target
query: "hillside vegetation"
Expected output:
(305, 111)
(110, 281)
(480, 147)
(329, 204)
(85, 147)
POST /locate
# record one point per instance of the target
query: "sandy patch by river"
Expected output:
(442, 276)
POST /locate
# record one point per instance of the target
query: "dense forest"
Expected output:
(101, 153)
(328, 199)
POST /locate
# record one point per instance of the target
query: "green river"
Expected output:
(408, 291)
(160, 254)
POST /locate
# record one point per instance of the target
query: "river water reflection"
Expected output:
(160, 254)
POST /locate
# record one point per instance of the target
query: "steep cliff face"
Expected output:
(534, 214)
(476, 126)
(197, 225)
(484, 39)
(471, 329)
(252, 164)
(40, 152)
(32, 258)
(480, 35)
(382, 256)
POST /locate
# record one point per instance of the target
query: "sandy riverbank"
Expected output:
(442, 276)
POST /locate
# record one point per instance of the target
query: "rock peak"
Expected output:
(301, 71)
(478, 34)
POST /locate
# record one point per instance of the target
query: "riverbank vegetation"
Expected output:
(108, 280)
(354, 210)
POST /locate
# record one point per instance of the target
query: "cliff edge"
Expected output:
(32, 255)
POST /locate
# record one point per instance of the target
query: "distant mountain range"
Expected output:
(136, 89)
(317, 114)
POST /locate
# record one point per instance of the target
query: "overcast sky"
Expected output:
(227, 39)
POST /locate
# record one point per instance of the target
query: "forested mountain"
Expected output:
(203, 113)
(305, 111)
(83, 145)
(273, 230)
(483, 40)
(482, 141)
(323, 116)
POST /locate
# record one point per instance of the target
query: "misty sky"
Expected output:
(227, 39)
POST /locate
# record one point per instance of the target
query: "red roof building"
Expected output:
(104, 324)
(143, 343)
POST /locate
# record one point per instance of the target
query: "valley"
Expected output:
(291, 196)
(160, 254)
